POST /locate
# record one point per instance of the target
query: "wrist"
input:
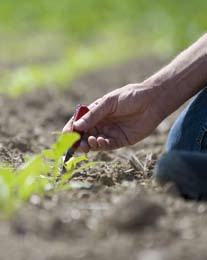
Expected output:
(159, 95)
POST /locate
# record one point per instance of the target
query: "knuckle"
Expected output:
(110, 103)
(91, 116)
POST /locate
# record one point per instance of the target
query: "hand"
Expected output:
(120, 118)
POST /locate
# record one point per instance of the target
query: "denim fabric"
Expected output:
(189, 131)
(185, 163)
(187, 170)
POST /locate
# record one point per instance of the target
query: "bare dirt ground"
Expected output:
(123, 215)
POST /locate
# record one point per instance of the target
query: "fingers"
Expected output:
(69, 124)
(92, 142)
(84, 147)
(98, 111)
(96, 144)
(101, 143)
(68, 127)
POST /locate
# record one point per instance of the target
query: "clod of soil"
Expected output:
(120, 214)
(135, 213)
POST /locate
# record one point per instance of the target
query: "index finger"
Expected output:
(68, 126)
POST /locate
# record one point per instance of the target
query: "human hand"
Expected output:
(120, 118)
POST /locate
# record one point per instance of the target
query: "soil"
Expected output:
(120, 213)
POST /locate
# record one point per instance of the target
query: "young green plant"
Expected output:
(38, 175)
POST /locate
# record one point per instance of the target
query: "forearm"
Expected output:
(181, 79)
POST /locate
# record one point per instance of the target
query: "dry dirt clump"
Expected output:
(119, 213)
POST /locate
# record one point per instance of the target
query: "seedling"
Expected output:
(80, 111)
(41, 173)
(38, 175)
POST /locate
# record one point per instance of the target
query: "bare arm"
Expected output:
(129, 114)
(181, 79)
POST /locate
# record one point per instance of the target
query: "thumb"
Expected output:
(96, 114)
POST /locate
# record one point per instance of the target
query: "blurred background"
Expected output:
(49, 43)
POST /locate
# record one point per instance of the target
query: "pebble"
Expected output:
(201, 209)
(35, 200)
(75, 214)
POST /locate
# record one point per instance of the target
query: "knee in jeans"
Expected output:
(177, 140)
(189, 132)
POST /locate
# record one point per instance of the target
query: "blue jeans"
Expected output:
(189, 132)
(185, 163)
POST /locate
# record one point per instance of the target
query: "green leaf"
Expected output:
(74, 161)
(49, 154)
(64, 142)
(8, 175)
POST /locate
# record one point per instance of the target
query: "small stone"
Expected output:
(75, 214)
(35, 200)
(201, 209)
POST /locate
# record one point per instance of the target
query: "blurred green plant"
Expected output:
(47, 43)
(75, 37)
(38, 176)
